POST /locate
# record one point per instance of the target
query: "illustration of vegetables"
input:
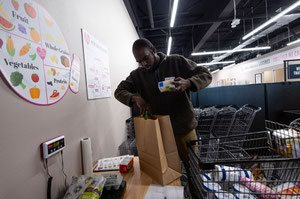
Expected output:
(1, 43)
(30, 10)
(2, 11)
(22, 29)
(10, 47)
(16, 79)
(25, 49)
(15, 4)
(63, 87)
(5, 24)
(33, 56)
(35, 35)
(34, 92)
(55, 94)
(35, 78)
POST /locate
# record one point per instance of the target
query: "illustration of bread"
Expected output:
(65, 61)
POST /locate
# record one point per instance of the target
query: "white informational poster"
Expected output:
(96, 67)
(75, 74)
(34, 57)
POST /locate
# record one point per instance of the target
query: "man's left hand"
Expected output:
(181, 84)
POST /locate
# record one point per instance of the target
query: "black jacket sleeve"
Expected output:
(199, 76)
(125, 90)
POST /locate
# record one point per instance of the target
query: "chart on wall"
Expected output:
(96, 67)
(34, 55)
(75, 74)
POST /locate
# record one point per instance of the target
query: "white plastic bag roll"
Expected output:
(86, 152)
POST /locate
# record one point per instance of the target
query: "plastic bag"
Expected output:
(85, 187)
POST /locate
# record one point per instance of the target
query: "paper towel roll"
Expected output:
(86, 152)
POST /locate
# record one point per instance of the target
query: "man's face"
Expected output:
(145, 57)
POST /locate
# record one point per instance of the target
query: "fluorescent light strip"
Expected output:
(214, 63)
(169, 45)
(174, 10)
(275, 18)
(293, 42)
(215, 71)
(231, 51)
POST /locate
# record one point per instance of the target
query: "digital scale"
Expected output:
(52, 147)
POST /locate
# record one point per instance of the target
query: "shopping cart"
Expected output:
(128, 147)
(285, 138)
(254, 170)
(225, 121)
(130, 128)
(243, 119)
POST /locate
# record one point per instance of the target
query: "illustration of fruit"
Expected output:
(25, 49)
(63, 87)
(35, 35)
(6, 25)
(49, 37)
(22, 29)
(55, 94)
(33, 56)
(41, 52)
(49, 23)
(30, 10)
(54, 59)
(10, 47)
(72, 84)
(34, 92)
(65, 61)
(2, 11)
(35, 78)
(15, 4)
(16, 79)
(1, 43)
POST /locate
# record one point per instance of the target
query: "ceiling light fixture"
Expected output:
(231, 51)
(214, 63)
(274, 19)
(215, 71)
(169, 45)
(174, 10)
(293, 42)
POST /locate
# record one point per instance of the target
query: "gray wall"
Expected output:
(24, 126)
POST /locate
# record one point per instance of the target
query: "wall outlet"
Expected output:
(52, 146)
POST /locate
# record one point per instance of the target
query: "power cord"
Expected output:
(49, 179)
(63, 170)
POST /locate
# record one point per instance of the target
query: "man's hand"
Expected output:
(181, 84)
(140, 102)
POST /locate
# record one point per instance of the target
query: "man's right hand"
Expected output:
(140, 102)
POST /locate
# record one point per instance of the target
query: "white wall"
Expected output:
(24, 126)
(245, 72)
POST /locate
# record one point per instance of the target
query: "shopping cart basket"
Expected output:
(285, 138)
(243, 119)
(254, 170)
(128, 147)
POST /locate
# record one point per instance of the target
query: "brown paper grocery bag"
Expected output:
(157, 149)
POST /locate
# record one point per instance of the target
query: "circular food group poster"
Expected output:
(34, 55)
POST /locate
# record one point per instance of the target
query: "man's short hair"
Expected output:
(143, 43)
